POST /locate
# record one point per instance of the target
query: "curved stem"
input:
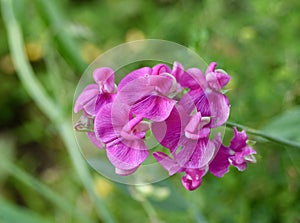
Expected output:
(265, 135)
(48, 106)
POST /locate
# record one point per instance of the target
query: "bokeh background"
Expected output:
(43, 177)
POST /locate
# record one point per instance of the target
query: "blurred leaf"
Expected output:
(12, 213)
(285, 125)
(7, 151)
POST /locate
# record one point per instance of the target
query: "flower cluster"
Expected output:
(180, 107)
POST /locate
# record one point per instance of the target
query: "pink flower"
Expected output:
(146, 90)
(123, 135)
(181, 106)
(94, 96)
(205, 93)
(187, 138)
(238, 154)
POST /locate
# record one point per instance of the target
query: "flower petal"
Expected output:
(169, 164)
(142, 72)
(87, 94)
(161, 84)
(104, 77)
(154, 107)
(169, 132)
(123, 172)
(134, 91)
(239, 140)
(220, 164)
(217, 80)
(160, 68)
(193, 178)
(219, 107)
(110, 120)
(127, 154)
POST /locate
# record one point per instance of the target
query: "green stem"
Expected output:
(44, 190)
(46, 104)
(67, 47)
(265, 135)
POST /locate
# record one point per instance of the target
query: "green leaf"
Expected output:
(13, 213)
(285, 125)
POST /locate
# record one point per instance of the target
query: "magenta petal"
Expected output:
(134, 91)
(108, 123)
(104, 77)
(239, 140)
(169, 164)
(160, 68)
(217, 80)
(169, 132)
(127, 154)
(123, 172)
(94, 140)
(161, 84)
(196, 99)
(177, 70)
(198, 77)
(142, 72)
(154, 107)
(102, 100)
(193, 178)
(219, 108)
(220, 164)
(211, 67)
(87, 94)
(240, 159)
(89, 107)
(196, 154)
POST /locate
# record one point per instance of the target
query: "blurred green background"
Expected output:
(43, 177)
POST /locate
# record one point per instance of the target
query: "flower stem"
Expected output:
(265, 135)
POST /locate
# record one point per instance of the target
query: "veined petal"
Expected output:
(169, 132)
(154, 107)
(89, 107)
(161, 84)
(220, 164)
(217, 80)
(104, 77)
(127, 154)
(199, 81)
(160, 68)
(211, 67)
(123, 172)
(103, 99)
(110, 120)
(142, 72)
(169, 164)
(239, 140)
(196, 154)
(134, 91)
(193, 178)
(94, 105)
(87, 94)
(219, 107)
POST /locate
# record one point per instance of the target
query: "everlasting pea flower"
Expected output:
(94, 96)
(146, 91)
(182, 107)
(237, 154)
(205, 92)
(123, 135)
